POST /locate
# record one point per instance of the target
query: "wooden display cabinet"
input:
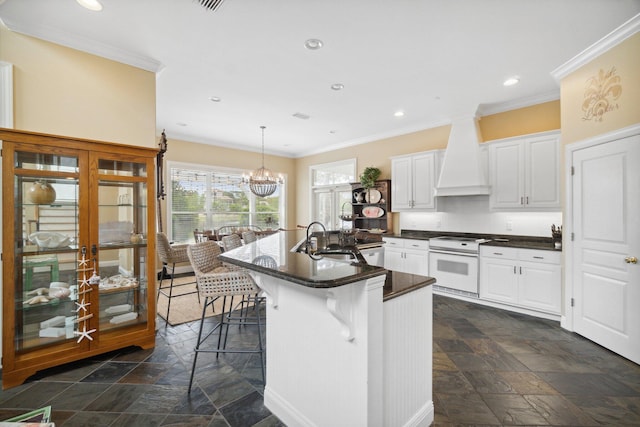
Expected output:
(78, 261)
(372, 209)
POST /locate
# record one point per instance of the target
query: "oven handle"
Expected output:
(440, 251)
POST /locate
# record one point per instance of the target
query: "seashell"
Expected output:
(59, 292)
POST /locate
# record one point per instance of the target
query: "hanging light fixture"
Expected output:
(262, 182)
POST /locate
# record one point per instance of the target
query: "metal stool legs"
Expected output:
(226, 319)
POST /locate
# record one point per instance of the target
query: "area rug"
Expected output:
(186, 308)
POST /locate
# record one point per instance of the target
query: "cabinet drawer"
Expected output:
(393, 243)
(547, 257)
(416, 244)
(498, 252)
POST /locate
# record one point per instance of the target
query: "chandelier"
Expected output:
(262, 182)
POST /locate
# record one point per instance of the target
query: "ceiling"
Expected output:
(432, 59)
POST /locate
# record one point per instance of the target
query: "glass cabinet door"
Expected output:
(46, 232)
(122, 236)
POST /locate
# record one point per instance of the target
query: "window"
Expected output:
(331, 189)
(207, 198)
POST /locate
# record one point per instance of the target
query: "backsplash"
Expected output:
(471, 214)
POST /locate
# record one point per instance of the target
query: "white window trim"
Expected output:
(213, 168)
(313, 188)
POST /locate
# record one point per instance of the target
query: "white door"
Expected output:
(606, 278)
(507, 175)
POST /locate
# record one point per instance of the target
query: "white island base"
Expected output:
(339, 356)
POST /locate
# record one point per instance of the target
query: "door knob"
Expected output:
(631, 260)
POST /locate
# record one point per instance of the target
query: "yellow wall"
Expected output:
(62, 91)
(625, 57)
(536, 118)
(190, 152)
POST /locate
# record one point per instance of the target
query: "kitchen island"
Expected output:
(348, 344)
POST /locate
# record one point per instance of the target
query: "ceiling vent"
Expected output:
(212, 5)
(302, 116)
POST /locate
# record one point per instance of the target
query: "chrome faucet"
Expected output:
(324, 232)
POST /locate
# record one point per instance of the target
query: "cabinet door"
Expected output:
(40, 265)
(120, 200)
(401, 191)
(417, 262)
(423, 179)
(543, 173)
(498, 280)
(507, 175)
(539, 286)
(394, 259)
(374, 256)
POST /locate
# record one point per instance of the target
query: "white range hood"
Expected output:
(462, 173)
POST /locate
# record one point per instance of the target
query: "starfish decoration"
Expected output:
(84, 333)
(82, 305)
(83, 262)
(84, 282)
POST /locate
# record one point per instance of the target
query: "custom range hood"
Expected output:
(462, 172)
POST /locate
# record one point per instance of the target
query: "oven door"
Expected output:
(454, 270)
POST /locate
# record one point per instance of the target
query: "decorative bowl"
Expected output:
(49, 239)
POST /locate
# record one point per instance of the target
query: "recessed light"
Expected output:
(94, 5)
(511, 81)
(313, 44)
(215, 99)
(337, 86)
(399, 113)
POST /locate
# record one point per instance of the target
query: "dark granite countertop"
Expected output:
(397, 284)
(503, 240)
(272, 256)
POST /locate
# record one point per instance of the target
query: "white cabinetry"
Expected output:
(525, 172)
(413, 179)
(521, 277)
(374, 256)
(406, 255)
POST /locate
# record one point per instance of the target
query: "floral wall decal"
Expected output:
(600, 94)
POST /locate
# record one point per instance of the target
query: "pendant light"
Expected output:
(262, 182)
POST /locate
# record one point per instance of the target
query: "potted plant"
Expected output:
(369, 177)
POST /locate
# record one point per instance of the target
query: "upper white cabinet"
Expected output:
(525, 172)
(413, 179)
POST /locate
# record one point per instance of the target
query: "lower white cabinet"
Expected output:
(521, 277)
(374, 256)
(406, 255)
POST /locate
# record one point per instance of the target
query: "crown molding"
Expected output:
(489, 109)
(606, 43)
(83, 44)
(375, 137)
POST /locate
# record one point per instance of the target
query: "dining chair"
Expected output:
(215, 281)
(170, 255)
(231, 241)
(249, 236)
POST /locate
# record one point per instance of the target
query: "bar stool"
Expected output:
(214, 282)
(170, 255)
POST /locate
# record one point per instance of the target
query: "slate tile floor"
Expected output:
(491, 367)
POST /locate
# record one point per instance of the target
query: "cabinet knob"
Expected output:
(631, 260)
